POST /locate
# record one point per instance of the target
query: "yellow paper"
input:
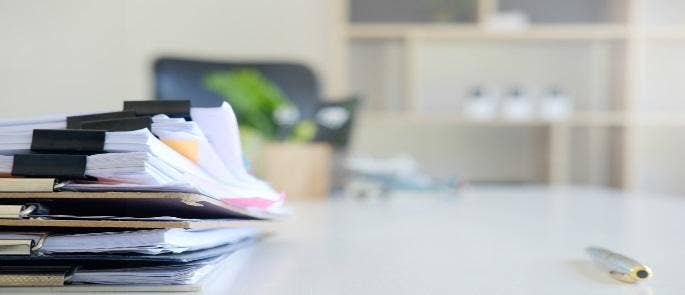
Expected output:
(187, 147)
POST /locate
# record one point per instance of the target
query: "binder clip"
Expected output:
(171, 108)
(124, 124)
(68, 141)
(75, 122)
(49, 165)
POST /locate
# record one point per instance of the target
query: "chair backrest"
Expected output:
(183, 78)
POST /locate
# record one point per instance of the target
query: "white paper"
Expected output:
(207, 158)
(182, 274)
(151, 242)
(220, 126)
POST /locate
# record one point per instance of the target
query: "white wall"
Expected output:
(87, 55)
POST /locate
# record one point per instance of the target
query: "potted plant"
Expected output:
(275, 137)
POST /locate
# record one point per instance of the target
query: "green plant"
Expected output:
(253, 97)
(304, 131)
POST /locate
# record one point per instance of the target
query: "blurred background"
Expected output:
(367, 96)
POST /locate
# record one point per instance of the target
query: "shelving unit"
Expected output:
(465, 32)
(609, 116)
(581, 119)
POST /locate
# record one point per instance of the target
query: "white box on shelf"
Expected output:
(517, 106)
(480, 105)
(555, 105)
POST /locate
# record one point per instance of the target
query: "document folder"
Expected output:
(62, 274)
(16, 247)
(11, 211)
(22, 252)
(56, 279)
(123, 210)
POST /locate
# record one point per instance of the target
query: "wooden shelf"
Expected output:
(589, 119)
(625, 62)
(579, 119)
(457, 32)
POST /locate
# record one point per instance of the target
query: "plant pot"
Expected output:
(302, 171)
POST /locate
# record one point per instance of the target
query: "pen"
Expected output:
(620, 267)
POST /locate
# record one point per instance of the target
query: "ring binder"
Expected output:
(17, 211)
(22, 211)
(21, 247)
(125, 124)
(74, 122)
(39, 243)
(68, 141)
(11, 211)
(29, 185)
(171, 108)
(27, 210)
(49, 165)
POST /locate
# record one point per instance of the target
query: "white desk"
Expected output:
(484, 241)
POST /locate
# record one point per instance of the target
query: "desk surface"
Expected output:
(483, 241)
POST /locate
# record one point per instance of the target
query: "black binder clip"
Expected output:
(75, 122)
(68, 141)
(125, 124)
(50, 165)
(171, 108)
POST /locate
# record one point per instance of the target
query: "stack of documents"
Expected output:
(172, 154)
(154, 195)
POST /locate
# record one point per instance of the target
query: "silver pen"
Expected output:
(620, 267)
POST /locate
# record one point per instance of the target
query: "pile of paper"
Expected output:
(165, 256)
(158, 194)
(201, 156)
